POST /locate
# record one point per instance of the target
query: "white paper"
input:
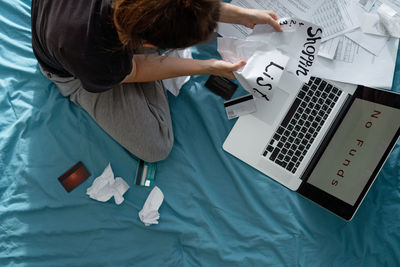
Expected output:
(373, 5)
(298, 48)
(370, 42)
(383, 19)
(328, 48)
(372, 25)
(300, 40)
(262, 73)
(302, 9)
(105, 187)
(367, 5)
(386, 10)
(149, 213)
(233, 50)
(174, 85)
(336, 17)
(394, 4)
(353, 64)
(385, 22)
(233, 30)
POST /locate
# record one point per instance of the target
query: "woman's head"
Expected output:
(165, 23)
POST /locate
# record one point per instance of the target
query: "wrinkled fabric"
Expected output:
(217, 210)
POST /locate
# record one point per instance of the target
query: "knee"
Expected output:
(156, 151)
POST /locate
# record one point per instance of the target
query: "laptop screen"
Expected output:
(355, 150)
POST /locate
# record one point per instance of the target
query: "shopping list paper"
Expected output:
(300, 40)
(262, 73)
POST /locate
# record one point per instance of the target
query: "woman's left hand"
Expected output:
(248, 17)
(253, 17)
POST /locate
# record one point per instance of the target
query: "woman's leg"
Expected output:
(136, 115)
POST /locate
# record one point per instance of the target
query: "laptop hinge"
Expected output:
(329, 134)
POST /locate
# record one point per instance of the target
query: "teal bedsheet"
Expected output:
(217, 211)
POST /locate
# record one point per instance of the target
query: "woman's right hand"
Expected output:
(224, 68)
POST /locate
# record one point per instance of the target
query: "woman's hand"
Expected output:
(248, 17)
(224, 68)
(253, 17)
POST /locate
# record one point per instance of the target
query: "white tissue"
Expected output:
(391, 23)
(149, 213)
(382, 23)
(174, 85)
(105, 187)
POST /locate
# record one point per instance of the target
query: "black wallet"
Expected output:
(221, 86)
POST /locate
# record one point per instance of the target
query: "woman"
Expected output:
(95, 52)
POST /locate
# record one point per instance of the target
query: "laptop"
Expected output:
(325, 140)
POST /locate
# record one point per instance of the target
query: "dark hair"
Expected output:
(165, 23)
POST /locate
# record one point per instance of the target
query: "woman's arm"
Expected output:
(152, 67)
(248, 17)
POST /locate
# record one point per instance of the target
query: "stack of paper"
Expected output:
(360, 38)
(359, 55)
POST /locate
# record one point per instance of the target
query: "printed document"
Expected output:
(328, 48)
(368, 35)
(354, 64)
(395, 4)
(372, 43)
(336, 17)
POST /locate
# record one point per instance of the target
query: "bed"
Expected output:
(217, 210)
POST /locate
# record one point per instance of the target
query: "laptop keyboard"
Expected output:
(302, 123)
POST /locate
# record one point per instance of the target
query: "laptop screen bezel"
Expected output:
(328, 201)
